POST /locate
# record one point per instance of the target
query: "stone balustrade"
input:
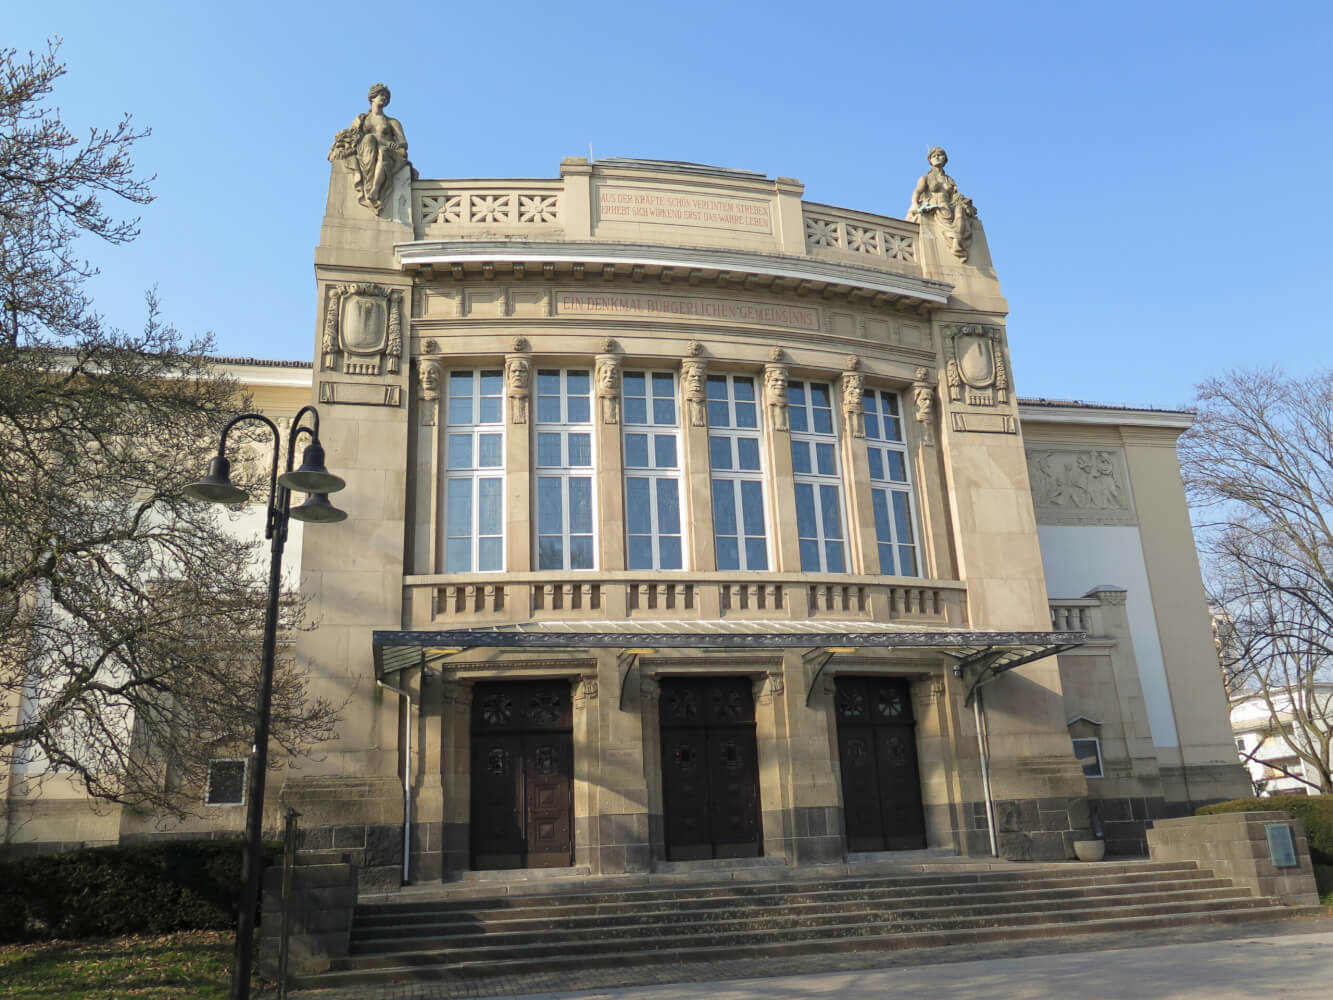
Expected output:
(877, 240)
(442, 600)
(458, 207)
(1075, 615)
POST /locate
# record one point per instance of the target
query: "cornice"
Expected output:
(726, 266)
(1046, 413)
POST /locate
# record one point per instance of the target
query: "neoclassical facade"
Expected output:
(692, 520)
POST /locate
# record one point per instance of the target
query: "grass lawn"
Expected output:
(183, 966)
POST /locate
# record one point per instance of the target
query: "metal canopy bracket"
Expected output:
(819, 659)
(627, 666)
(992, 662)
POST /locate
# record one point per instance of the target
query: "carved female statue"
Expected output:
(373, 147)
(936, 197)
(775, 382)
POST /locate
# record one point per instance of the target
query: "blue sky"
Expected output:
(1153, 177)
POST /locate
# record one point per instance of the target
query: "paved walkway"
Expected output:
(1291, 960)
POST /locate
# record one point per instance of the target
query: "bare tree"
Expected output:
(1258, 466)
(130, 618)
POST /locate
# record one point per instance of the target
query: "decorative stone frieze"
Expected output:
(1079, 486)
(363, 329)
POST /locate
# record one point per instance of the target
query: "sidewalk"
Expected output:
(1285, 959)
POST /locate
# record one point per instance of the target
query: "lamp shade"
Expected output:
(216, 487)
(312, 477)
(317, 509)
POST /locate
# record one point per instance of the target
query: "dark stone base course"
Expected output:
(375, 848)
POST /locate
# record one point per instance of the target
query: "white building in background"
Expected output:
(1273, 765)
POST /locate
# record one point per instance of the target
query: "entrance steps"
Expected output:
(761, 912)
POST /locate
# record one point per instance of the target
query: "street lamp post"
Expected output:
(216, 487)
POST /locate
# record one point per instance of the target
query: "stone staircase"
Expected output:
(547, 928)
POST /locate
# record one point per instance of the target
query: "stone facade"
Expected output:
(665, 398)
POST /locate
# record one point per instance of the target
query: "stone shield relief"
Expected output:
(363, 329)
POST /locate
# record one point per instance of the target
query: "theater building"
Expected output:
(693, 520)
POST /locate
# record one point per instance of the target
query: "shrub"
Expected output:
(1316, 812)
(151, 888)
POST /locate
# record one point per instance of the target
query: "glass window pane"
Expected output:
(636, 451)
(634, 384)
(745, 415)
(664, 385)
(548, 409)
(580, 551)
(550, 503)
(728, 553)
(636, 410)
(490, 555)
(823, 421)
(490, 410)
(907, 558)
(458, 508)
(490, 506)
(743, 387)
(824, 460)
(876, 463)
(640, 553)
(752, 508)
(830, 511)
(796, 395)
(578, 383)
(579, 410)
(805, 511)
(492, 382)
(664, 412)
(833, 557)
(580, 450)
(892, 429)
(724, 507)
(819, 395)
(550, 552)
(548, 382)
(718, 414)
(491, 454)
(638, 512)
(889, 401)
(669, 552)
(719, 452)
(809, 555)
(668, 508)
(665, 447)
(800, 456)
(756, 554)
(458, 555)
(897, 467)
(580, 504)
(548, 451)
(460, 451)
(796, 419)
(872, 424)
(880, 502)
(747, 453)
(460, 409)
(902, 518)
(717, 387)
(886, 565)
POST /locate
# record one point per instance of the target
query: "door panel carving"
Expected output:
(881, 787)
(522, 775)
(710, 772)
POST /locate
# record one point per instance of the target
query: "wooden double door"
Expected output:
(881, 785)
(710, 770)
(522, 775)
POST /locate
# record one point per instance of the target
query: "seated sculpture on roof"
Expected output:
(373, 147)
(937, 199)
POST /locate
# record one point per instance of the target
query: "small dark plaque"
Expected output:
(1281, 845)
